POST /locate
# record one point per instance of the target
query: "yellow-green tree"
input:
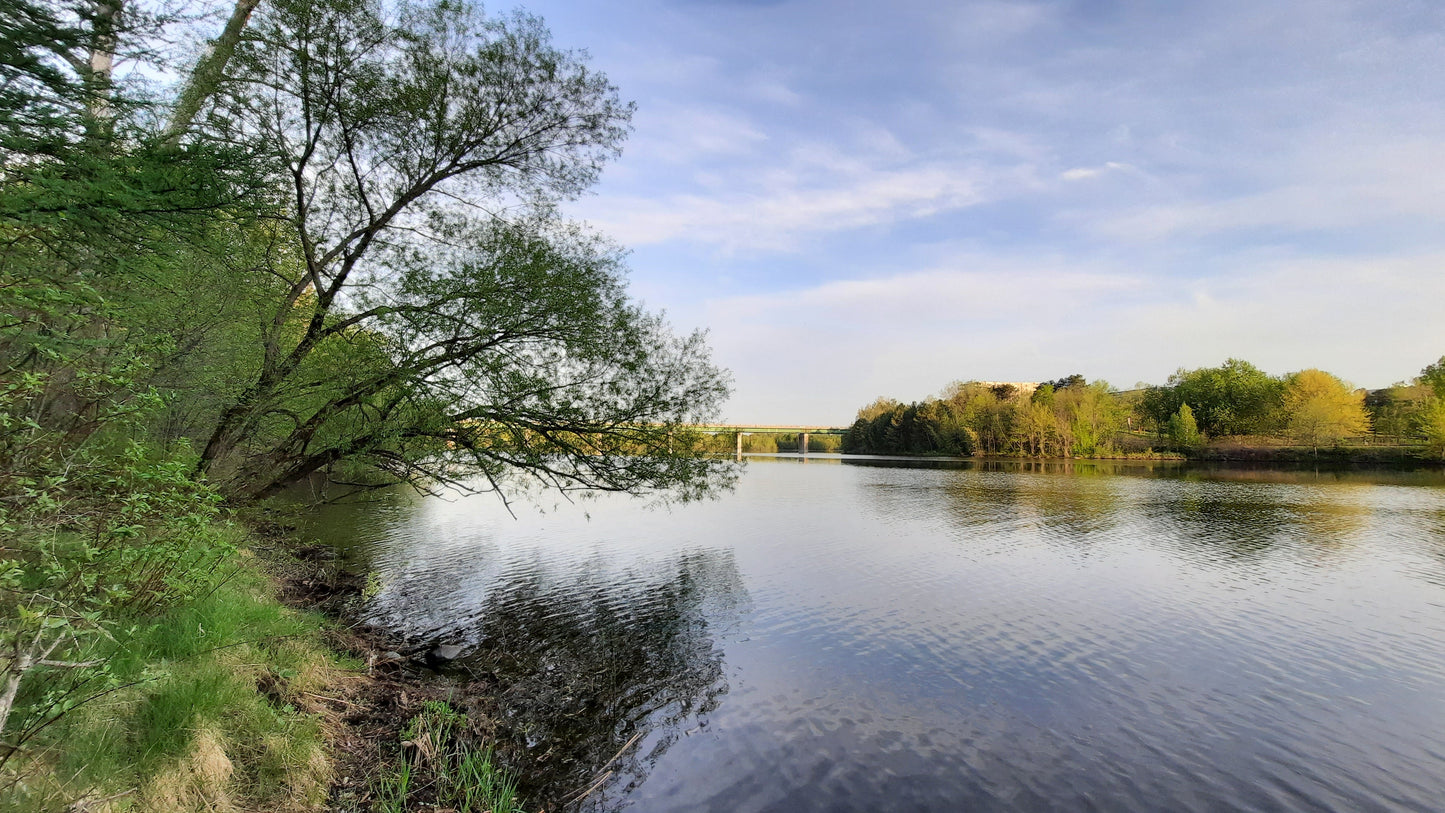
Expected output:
(1322, 409)
(1183, 429)
(881, 405)
(1432, 423)
(1038, 427)
(1432, 415)
(1092, 417)
(1433, 376)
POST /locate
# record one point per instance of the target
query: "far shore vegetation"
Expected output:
(1233, 411)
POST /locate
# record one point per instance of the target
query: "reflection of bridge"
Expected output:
(801, 431)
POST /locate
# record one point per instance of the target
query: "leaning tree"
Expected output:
(435, 319)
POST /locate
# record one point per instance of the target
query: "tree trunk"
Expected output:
(207, 75)
(100, 112)
(12, 688)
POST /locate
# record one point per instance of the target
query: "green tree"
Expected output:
(1183, 430)
(1073, 380)
(1093, 416)
(1038, 427)
(1433, 376)
(99, 524)
(490, 346)
(879, 406)
(39, 98)
(1044, 395)
(890, 427)
(1235, 398)
(1395, 412)
(987, 419)
(1323, 409)
(1432, 424)
(334, 249)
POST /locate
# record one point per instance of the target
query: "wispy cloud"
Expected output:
(690, 134)
(1339, 187)
(816, 189)
(973, 290)
(1086, 173)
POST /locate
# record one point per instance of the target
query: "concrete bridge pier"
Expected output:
(803, 434)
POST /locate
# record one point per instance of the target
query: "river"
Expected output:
(880, 635)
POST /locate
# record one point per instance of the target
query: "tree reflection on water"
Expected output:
(587, 664)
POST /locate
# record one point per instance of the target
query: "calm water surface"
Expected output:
(846, 636)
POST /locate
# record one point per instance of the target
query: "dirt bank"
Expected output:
(389, 680)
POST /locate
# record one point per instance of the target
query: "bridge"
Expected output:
(802, 431)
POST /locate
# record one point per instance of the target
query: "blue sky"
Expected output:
(863, 199)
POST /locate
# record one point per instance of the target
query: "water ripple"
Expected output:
(839, 637)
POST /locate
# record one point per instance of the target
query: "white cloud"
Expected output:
(771, 90)
(1085, 173)
(994, 20)
(678, 134)
(1355, 183)
(817, 190)
(974, 290)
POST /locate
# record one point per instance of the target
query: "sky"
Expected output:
(862, 199)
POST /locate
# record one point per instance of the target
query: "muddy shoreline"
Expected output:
(573, 698)
(374, 701)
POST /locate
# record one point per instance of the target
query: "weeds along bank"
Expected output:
(195, 691)
(145, 663)
(159, 658)
(150, 663)
(214, 692)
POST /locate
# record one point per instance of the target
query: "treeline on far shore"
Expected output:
(770, 443)
(1235, 407)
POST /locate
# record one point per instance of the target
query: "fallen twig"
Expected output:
(332, 699)
(606, 773)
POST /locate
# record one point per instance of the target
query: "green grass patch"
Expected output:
(441, 765)
(210, 707)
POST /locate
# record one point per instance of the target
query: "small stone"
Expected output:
(441, 654)
(445, 652)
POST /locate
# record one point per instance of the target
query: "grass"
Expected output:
(214, 709)
(441, 765)
(221, 704)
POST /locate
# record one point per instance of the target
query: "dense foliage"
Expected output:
(324, 248)
(1071, 417)
(1235, 398)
